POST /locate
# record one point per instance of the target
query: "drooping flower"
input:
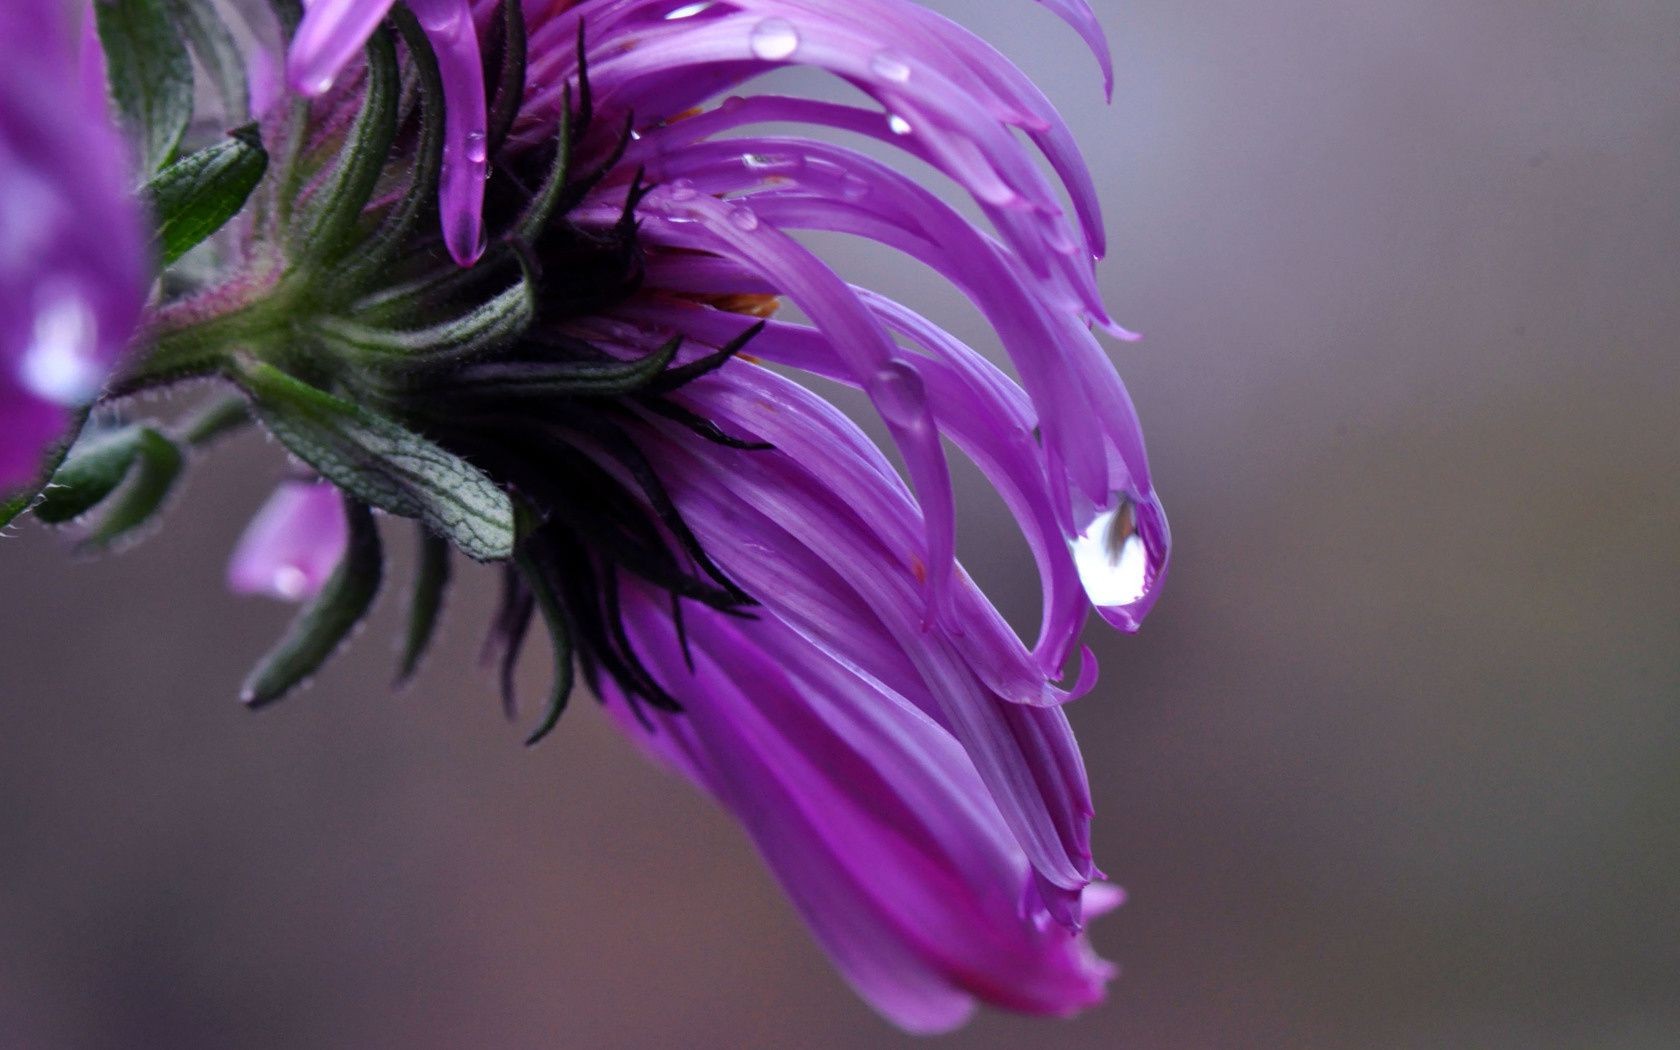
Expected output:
(740, 573)
(73, 267)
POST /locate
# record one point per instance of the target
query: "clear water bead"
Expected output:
(774, 39)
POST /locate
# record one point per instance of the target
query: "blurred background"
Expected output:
(1394, 763)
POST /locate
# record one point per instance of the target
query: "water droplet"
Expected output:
(889, 66)
(743, 217)
(61, 362)
(688, 11)
(899, 125)
(899, 395)
(1120, 557)
(774, 39)
(318, 85)
(683, 190)
(854, 188)
(475, 147)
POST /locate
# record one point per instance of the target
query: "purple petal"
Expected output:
(292, 545)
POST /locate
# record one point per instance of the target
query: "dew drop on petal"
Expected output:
(61, 362)
(743, 217)
(475, 147)
(1115, 562)
(899, 395)
(683, 190)
(854, 188)
(688, 11)
(889, 66)
(898, 124)
(774, 39)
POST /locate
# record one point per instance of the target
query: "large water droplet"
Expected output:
(475, 147)
(889, 66)
(774, 39)
(1120, 557)
(899, 125)
(899, 395)
(61, 362)
(743, 217)
(688, 11)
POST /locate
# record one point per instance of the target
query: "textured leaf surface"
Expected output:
(195, 196)
(150, 74)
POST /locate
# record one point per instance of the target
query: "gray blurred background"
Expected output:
(1392, 765)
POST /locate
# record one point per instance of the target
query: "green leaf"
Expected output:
(150, 75)
(158, 464)
(445, 345)
(195, 196)
(217, 51)
(98, 466)
(431, 580)
(328, 619)
(383, 463)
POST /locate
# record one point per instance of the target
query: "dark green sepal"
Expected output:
(510, 87)
(217, 51)
(328, 226)
(546, 379)
(384, 463)
(195, 196)
(149, 73)
(560, 636)
(545, 203)
(395, 231)
(448, 344)
(431, 582)
(328, 619)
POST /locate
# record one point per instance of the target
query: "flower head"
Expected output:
(73, 266)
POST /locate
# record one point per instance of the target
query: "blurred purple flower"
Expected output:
(292, 545)
(73, 267)
(333, 32)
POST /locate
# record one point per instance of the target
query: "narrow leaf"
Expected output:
(559, 626)
(431, 580)
(384, 464)
(328, 619)
(98, 466)
(337, 208)
(158, 464)
(150, 75)
(195, 196)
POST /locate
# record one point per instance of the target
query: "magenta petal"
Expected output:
(73, 266)
(292, 545)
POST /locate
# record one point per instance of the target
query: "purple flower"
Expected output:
(73, 268)
(739, 572)
(333, 32)
(292, 545)
(894, 748)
